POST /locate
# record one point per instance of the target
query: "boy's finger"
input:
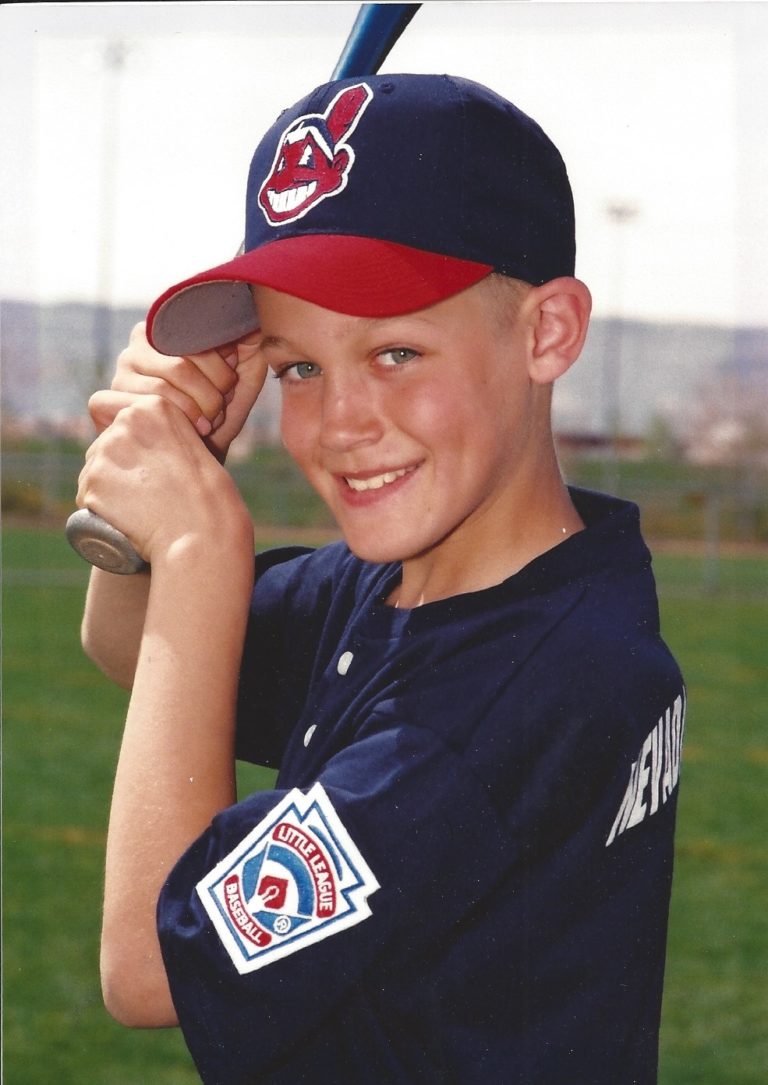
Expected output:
(138, 333)
(218, 367)
(139, 358)
(205, 378)
(205, 381)
(104, 406)
(249, 345)
(251, 380)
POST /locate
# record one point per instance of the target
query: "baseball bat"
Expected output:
(374, 31)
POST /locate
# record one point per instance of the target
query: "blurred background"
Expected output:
(126, 131)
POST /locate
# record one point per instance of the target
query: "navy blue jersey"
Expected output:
(463, 873)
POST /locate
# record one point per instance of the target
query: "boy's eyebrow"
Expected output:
(278, 342)
(269, 341)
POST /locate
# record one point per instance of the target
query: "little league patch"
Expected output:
(295, 879)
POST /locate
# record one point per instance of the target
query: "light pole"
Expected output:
(115, 53)
(620, 212)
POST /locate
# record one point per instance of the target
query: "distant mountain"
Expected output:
(649, 371)
(49, 356)
(54, 356)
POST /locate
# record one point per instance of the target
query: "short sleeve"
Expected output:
(396, 834)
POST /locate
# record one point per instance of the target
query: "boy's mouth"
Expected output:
(376, 482)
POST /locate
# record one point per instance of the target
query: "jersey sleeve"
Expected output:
(270, 922)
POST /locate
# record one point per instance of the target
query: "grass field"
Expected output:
(61, 733)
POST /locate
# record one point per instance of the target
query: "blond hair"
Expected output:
(505, 295)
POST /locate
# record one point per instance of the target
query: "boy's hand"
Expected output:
(215, 390)
(151, 477)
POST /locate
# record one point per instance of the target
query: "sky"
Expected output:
(119, 179)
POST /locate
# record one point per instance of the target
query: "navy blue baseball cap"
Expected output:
(379, 196)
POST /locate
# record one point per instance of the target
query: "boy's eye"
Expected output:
(299, 371)
(397, 356)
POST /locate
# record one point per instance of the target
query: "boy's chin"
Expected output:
(375, 554)
(378, 550)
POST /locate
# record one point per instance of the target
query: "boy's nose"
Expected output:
(350, 415)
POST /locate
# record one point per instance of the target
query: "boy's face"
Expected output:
(418, 431)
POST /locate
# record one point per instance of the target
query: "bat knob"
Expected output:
(102, 545)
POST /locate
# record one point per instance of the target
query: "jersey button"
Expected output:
(309, 732)
(344, 662)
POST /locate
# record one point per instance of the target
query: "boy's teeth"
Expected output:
(375, 483)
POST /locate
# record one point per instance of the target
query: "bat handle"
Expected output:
(103, 545)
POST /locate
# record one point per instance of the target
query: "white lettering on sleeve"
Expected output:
(656, 762)
(625, 809)
(658, 765)
(644, 772)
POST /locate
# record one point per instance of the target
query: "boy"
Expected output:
(463, 873)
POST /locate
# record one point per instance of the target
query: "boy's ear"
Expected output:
(559, 313)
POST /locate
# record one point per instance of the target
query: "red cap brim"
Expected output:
(358, 276)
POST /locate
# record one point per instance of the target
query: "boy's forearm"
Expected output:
(113, 622)
(176, 767)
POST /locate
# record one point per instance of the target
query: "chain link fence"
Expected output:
(704, 511)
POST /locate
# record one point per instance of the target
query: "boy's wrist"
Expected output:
(216, 554)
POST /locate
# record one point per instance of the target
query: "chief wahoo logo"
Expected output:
(313, 159)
